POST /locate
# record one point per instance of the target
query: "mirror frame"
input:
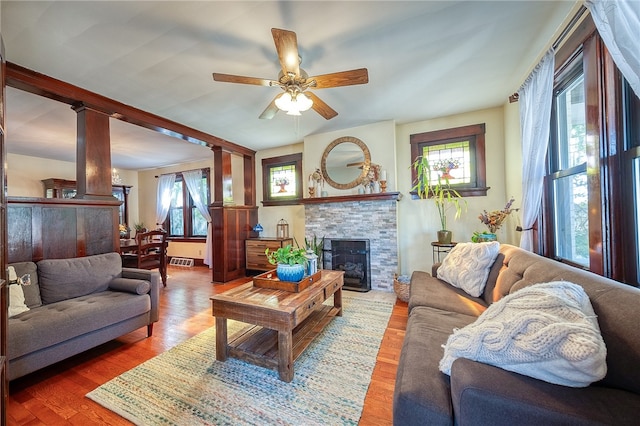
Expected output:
(365, 168)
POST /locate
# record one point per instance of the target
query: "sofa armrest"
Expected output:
(484, 394)
(434, 269)
(154, 279)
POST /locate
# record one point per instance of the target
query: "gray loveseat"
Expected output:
(481, 394)
(76, 304)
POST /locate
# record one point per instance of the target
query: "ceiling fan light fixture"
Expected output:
(284, 102)
(303, 102)
(293, 104)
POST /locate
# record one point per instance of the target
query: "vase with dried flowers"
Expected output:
(493, 220)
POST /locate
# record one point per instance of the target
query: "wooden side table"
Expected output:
(439, 248)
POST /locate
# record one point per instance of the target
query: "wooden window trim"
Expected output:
(283, 160)
(474, 131)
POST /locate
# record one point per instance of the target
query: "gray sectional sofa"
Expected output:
(482, 394)
(76, 304)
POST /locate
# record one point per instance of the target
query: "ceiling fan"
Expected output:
(295, 81)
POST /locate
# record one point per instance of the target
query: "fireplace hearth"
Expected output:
(352, 257)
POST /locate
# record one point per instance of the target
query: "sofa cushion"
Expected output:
(31, 290)
(429, 291)
(62, 279)
(547, 331)
(486, 395)
(422, 393)
(467, 266)
(34, 330)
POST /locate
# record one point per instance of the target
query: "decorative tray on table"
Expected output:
(270, 280)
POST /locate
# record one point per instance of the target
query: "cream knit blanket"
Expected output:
(547, 331)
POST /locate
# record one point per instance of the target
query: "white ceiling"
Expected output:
(426, 59)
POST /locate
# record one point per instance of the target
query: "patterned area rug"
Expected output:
(187, 386)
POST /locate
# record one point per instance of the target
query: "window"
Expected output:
(282, 180)
(184, 219)
(591, 213)
(568, 170)
(455, 154)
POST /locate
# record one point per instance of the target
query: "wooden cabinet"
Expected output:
(62, 188)
(255, 247)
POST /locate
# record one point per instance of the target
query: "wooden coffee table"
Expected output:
(285, 323)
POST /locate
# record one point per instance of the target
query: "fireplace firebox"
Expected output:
(352, 257)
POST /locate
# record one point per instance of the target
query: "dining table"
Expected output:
(128, 245)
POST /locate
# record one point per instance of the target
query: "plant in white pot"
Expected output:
(441, 192)
(290, 262)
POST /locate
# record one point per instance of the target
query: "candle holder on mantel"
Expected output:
(312, 191)
(383, 186)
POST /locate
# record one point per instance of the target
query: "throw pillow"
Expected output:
(16, 295)
(546, 331)
(467, 266)
(31, 288)
(130, 285)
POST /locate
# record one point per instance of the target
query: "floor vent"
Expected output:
(181, 261)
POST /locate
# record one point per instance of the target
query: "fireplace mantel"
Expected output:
(357, 197)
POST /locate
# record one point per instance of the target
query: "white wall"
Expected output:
(269, 216)
(25, 175)
(418, 220)
(379, 138)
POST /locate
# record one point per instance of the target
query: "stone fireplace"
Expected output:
(360, 218)
(351, 257)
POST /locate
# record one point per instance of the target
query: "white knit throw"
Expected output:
(547, 331)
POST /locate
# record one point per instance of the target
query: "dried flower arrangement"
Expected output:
(494, 219)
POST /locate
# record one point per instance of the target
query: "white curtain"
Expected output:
(165, 187)
(618, 23)
(535, 98)
(193, 179)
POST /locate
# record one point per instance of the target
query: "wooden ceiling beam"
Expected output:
(31, 81)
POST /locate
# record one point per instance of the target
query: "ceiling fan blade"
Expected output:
(287, 47)
(270, 111)
(321, 107)
(344, 78)
(228, 78)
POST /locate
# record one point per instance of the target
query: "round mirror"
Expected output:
(345, 162)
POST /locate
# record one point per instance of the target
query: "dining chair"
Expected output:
(151, 253)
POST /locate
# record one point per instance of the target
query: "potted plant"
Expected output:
(290, 262)
(139, 227)
(441, 192)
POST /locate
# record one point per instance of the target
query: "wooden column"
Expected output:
(93, 160)
(4, 384)
(249, 180)
(218, 196)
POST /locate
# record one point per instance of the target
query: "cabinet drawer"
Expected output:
(305, 310)
(331, 288)
(255, 248)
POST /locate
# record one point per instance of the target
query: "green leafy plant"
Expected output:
(286, 255)
(138, 226)
(316, 245)
(440, 191)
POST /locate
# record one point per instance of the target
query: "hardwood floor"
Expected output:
(55, 395)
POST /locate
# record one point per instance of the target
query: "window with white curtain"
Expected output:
(184, 220)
